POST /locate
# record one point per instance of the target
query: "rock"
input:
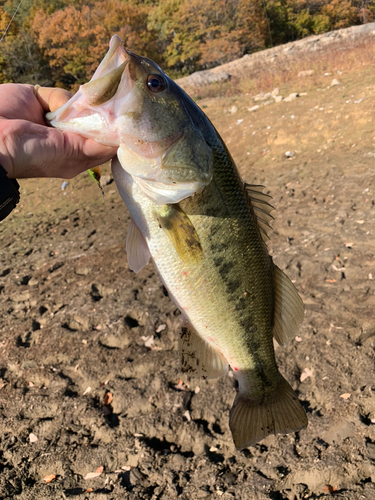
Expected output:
(279, 98)
(266, 103)
(275, 92)
(113, 341)
(261, 96)
(307, 72)
(20, 297)
(335, 82)
(254, 108)
(233, 110)
(77, 323)
(82, 270)
(289, 154)
(33, 282)
(291, 97)
(202, 78)
(105, 180)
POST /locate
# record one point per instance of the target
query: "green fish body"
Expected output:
(204, 230)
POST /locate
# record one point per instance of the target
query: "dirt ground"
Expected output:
(89, 372)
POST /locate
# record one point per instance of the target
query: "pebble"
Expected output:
(291, 97)
(254, 108)
(307, 72)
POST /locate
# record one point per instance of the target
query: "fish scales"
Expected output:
(203, 229)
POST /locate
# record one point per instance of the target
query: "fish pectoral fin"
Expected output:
(198, 358)
(180, 230)
(251, 421)
(102, 89)
(136, 248)
(289, 308)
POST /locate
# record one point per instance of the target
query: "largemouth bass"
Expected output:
(203, 228)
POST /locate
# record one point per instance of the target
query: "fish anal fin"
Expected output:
(262, 208)
(198, 358)
(251, 421)
(289, 308)
(181, 232)
(136, 248)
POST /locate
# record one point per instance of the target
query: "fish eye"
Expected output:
(156, 83)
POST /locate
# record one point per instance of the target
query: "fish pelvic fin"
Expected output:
(289, 308)
(251, 421)
(198, 358)
(136, 249)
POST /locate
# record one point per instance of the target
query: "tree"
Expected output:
(193, 34)
(74, 40)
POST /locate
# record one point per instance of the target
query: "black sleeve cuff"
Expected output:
(9, 194)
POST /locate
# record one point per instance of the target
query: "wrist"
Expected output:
(9, 194)
(5, 160)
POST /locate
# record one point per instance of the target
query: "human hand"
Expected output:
(29, 148)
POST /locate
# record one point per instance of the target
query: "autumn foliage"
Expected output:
(60, 42)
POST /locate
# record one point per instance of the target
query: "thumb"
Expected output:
(51, 98)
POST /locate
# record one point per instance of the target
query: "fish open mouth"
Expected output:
(93, 108)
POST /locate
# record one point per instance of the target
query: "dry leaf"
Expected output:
(330, 488)
(330, 281)
(90, 490)
(92, 475)
(180, 386)
(108, 398)
(99, 470)
(346, 395)
(49, 478)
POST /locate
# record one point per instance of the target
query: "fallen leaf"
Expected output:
(180, 386)
(99, 470)
(305, 374)
(330, 281)
(330, 488)
(49, 478)
(346, 395)
(90, 490)
(108, 398)
(92, 475)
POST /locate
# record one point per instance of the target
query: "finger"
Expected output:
(51, 98)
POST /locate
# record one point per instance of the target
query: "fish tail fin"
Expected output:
(251, 421)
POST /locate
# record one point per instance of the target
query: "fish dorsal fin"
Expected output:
(262, 208)
(198, 358)
(289, 308)
(136, 249)
(181, 232)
